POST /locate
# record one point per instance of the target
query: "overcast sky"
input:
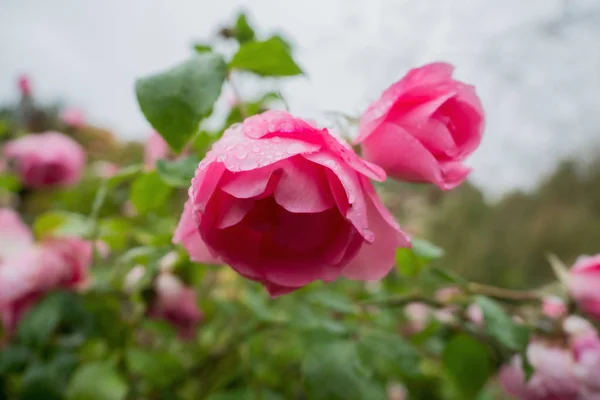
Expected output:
(535, 63)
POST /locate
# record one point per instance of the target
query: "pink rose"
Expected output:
(29, 270)
(24, 84)
(553, 377)
(176, 304)
(74, 117)
(285, 204)
(584, 284)
(156, 149)
(586, 350)
(423, 127)
(47, 159)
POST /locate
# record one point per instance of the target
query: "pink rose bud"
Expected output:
(285, 204)
(423, 127)
(396, 391)
(176, 304)
(447, 294)
(74, 117)
(47, 159)
(418, 315)
(584, 284)
(156, 149)
(554, 307)
(553, 377)
(475, 314)
(24, 84)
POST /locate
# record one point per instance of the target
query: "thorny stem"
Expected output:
(503, 294)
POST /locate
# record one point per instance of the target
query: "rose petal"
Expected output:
(303, 187)
(376, 259)
(15, 236)
(188, 235)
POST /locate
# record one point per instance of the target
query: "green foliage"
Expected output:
(149, 192)
(243, 31)
(468, 364)
(501, 327)
(267, 58)
(57, 223)
(97, 381)
(178, 173)
(175, 101)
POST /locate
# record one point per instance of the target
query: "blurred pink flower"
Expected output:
(284, 203)
(74, 117)
(156, 149)
(447, 294)
(584, 284)
(553, 377)
(418, 315)
(29, 270)
(176, 304)
(475, 314)
(24, 84)
(586, 350)
(423, 127)
(554, 307)
(46, 159)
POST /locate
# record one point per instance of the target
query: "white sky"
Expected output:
(536, 63)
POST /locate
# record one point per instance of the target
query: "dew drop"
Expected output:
(368, 235)
(241, 154)
(277, 139)
(255, 148)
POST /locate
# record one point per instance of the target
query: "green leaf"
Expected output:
(243, 31)
(13, 358)
(178, 173)
(115, 232)
(333, 301)
(269, 58)
(149, 192)
(202, 48)
(61, 223)
(39, 323)
(385, 352)
(425, 250)
(501, 327)
(40, 382)
(160, 368)
(124, 175)
(10, 183)
(175, 101)
(97, 381)
(448, 276)
(333, 370)
(407, 262)
(468, 364)
(203, 141)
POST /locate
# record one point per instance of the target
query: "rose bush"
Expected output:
(105, 291)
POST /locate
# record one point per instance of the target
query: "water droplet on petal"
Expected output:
(277, 139)
(241, 154)
(255, 148)
(368, 235)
